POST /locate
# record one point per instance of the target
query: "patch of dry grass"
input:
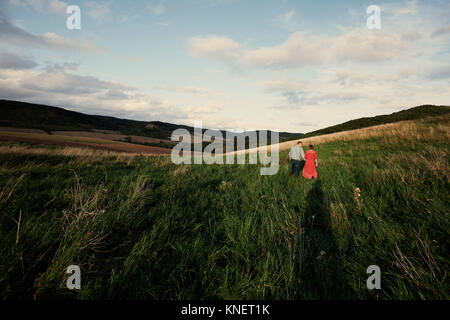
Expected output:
(413, 130)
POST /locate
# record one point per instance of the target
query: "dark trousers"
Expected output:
(295, 167)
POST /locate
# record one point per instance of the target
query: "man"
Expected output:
(296, 154)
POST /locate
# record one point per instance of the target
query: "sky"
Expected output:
(285, 65)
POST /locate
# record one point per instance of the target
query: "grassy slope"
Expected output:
(415, 113)
(145, 228)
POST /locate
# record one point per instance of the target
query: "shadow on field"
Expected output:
(323, 275)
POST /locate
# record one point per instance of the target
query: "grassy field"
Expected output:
(143, 228)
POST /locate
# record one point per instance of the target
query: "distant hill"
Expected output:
(47, 118)
(415, 113)
(35, 116)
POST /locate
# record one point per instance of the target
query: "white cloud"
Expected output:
(57, 86)
(189, 89)
(53, 40)
(212, 108)
(276, 85)
(297, 51)
(349, 77)
(85, 94)
(68, 83)
(219, 48)
(302, 49)
(98, 10)
(211, 46)
(53, 6)
(13, 35)
(367, 46)
(339, 87)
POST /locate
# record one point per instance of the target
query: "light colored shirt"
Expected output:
(296, 153)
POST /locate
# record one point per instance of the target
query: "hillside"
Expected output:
(415, 113)
(34, 116)
(26, 115)
(47, 118)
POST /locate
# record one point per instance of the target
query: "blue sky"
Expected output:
(290, 65)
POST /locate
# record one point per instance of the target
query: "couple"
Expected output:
(310, 157)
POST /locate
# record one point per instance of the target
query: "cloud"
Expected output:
(52, 67)
(85, 94)
(213, 108)
(271, 86)
(331, 87)
(305, 124)
(68, 83)
(215, 47)
(53, 40)
(11, 91)
(191, 90)
(411, 36)
(347, 77)
(441, 31)
(18, 3)
(410, 9)
(297, 51)
(288, 16)
(339, 92)
(12, 61)
(438, 73)
(212, 46)
(156, 8)
(366, 46)
(288, 21)
(53, 6)
(98, 11)
(161, 24)
(115, 94)
(13, 35)
(301, 50)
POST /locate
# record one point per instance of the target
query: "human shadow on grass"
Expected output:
(322, 270)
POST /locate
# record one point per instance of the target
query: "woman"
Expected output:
(309, 170)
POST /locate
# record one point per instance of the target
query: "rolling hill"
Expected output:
(415, 113)
(35, 116)
(63, 125)
(47, 118)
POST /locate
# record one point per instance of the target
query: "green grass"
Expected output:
(144, 228)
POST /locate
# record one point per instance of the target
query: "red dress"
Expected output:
(309, 170)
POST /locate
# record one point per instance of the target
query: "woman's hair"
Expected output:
(311, 147)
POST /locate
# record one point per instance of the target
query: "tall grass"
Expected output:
(143, 228)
